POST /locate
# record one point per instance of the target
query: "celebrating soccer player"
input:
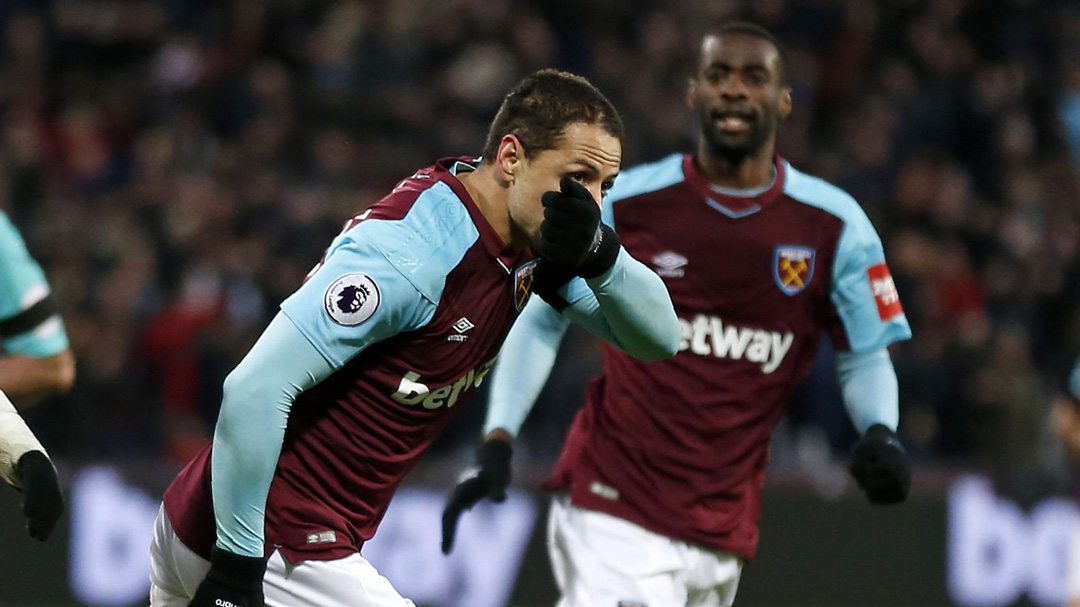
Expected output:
(366, 362)
(659, 483)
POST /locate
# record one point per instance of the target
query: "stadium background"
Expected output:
(178, 165)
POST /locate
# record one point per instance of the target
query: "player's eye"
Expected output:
(607, 185)
(579, 177)
(757, 77)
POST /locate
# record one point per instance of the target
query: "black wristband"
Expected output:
(244, 572)
(602, 254)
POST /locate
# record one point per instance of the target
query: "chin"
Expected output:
(735, 146)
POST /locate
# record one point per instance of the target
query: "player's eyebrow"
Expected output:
(590, 166)
(593, 168)
(746, 67)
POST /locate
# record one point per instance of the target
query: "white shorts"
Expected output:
(601, 560)
(176, 571)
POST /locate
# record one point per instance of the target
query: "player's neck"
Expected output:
(748, 172)
(490, 198)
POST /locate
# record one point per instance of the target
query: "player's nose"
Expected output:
(733, 87)
(597, 194)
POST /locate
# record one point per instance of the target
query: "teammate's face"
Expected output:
(738, 94)
(586, 153)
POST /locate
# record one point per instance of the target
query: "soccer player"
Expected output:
(25, 466)
(660, 480)
(365, 362)
(35, 360)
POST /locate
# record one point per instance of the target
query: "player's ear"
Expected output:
(785, 102)
(691, 90)
(509, 157)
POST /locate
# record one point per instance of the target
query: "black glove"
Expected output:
(42, 502)
(233, 581)
(880, 465)
(490, 481)
(572, 235)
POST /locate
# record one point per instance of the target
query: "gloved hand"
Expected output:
(489, 480)
(233, 581)
(572, 235)
(880, 466)
(42, 502)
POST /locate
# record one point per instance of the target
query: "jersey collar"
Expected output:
(447, 170)
(735, 207)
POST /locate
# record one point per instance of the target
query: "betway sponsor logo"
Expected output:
(707, 335)
(412, 392)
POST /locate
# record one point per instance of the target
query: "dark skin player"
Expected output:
(739, 96)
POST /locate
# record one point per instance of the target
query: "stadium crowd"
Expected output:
(178, 167)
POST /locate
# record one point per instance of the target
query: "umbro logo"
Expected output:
(670, 264)
(462, 326)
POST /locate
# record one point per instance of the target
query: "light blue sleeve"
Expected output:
(258, 396)
(858, 294)
(524, 364)
(869, 386)
(383, 277)
(22, 285)
(355, 298)
(862, 290)
(627, 306)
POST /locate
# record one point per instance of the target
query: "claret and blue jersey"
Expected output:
(410, 305)
(756, 277)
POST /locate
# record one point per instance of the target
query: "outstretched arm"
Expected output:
(258, 396)
(354, 299)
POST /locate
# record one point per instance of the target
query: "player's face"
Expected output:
(586, 153)
(738, 94)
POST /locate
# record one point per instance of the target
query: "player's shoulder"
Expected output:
(422, 228)
(818, 193)
(647, 178)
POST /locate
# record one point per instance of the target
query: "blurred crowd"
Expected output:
(178, 165)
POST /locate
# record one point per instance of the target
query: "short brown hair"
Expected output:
(541, 106)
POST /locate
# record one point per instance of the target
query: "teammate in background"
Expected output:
(660, 480)
(363, 366)
(1066, 423)
(25, 466)
(35, 361)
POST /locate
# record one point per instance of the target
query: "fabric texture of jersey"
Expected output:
(680, 446)
(25, 302)
(426, 253)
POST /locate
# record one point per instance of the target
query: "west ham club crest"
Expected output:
(793, 267)
(524, 276)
